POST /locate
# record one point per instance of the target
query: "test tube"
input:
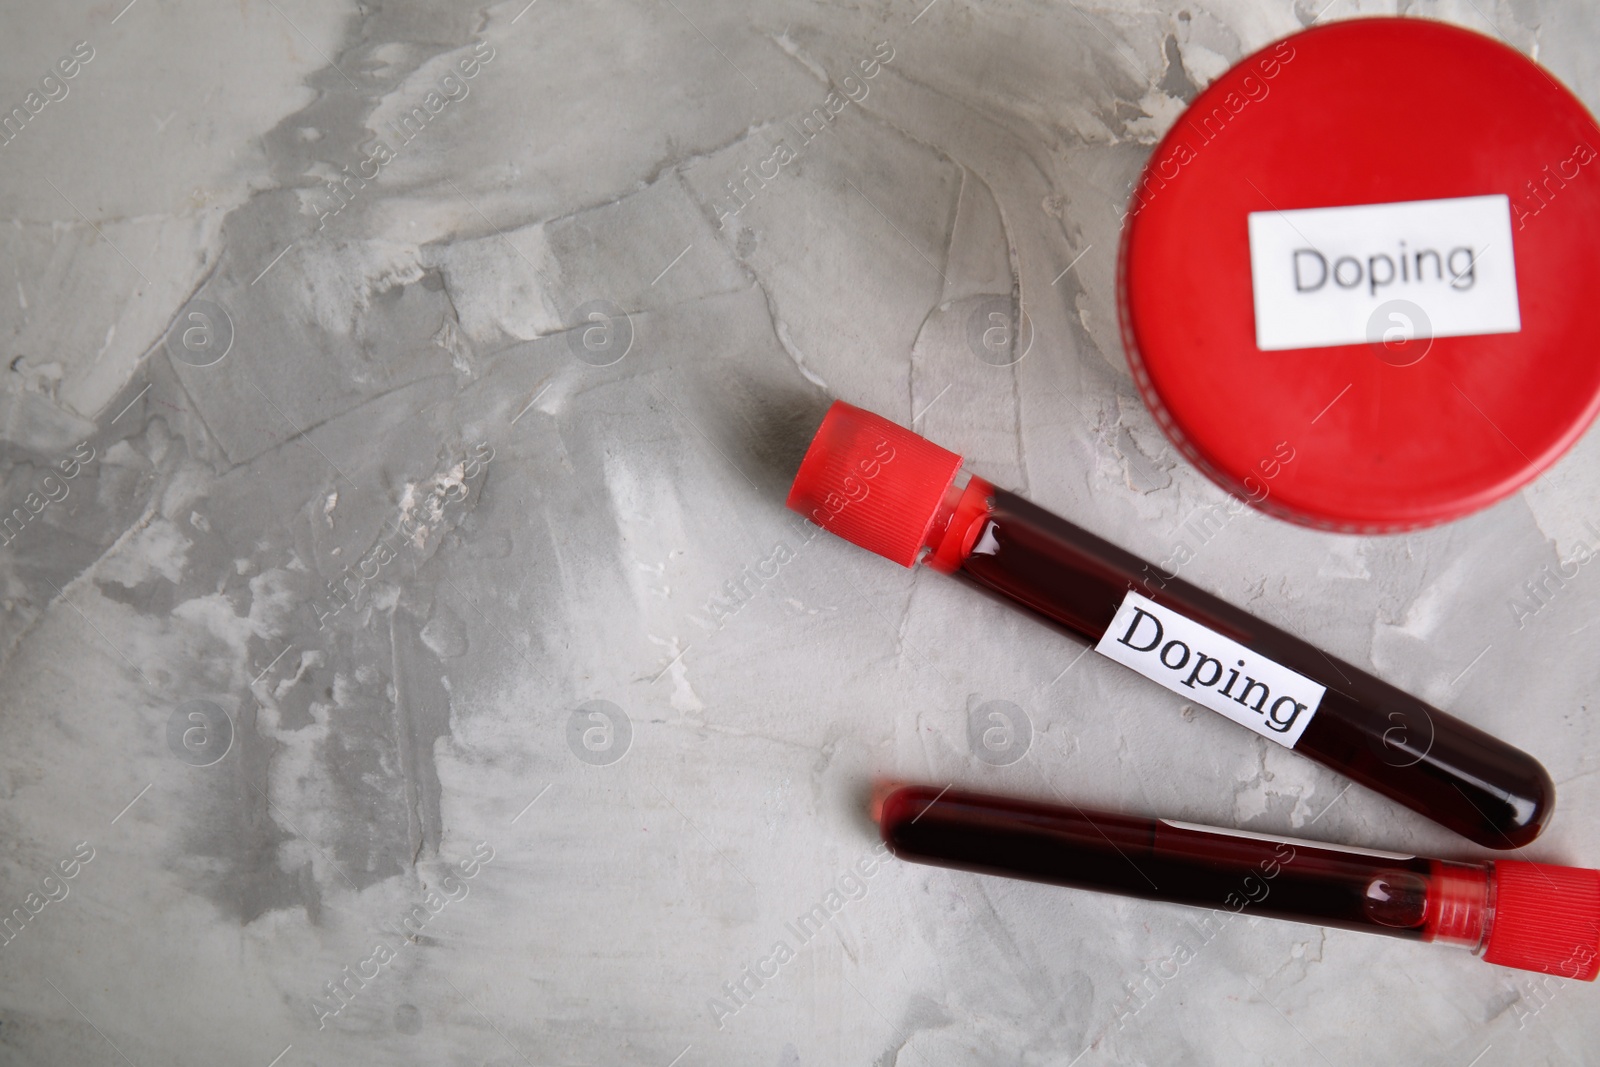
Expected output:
(888, 490)
(1534, 916)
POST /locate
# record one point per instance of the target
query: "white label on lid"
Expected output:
(1383, 272)
(1214, 671)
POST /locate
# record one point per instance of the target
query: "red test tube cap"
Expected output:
(1546, 919)
(873, 483)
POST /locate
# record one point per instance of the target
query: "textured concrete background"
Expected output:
(408, 592)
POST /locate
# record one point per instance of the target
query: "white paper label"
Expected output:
(1279, 839)
(1214, 671)
(1383, 272)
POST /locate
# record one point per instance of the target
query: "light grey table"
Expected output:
(418, 665)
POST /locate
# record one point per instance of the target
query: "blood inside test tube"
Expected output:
(1159, 860)
(1365, 728)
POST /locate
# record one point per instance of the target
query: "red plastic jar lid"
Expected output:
(1421, 350)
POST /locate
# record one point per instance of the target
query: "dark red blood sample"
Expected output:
(1384, 738)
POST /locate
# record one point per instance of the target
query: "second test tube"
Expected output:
(888, 490)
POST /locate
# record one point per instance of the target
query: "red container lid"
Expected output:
(1422, 350)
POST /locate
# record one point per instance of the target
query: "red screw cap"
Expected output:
(1546, 919)
(1384, 433)
(875, 484)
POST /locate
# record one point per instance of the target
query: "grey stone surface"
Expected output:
(419, 496)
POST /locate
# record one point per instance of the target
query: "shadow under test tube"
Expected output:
(1539, 917)
(888, 490)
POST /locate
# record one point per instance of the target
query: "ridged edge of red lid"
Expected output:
(1546, 919)
(873, 482)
